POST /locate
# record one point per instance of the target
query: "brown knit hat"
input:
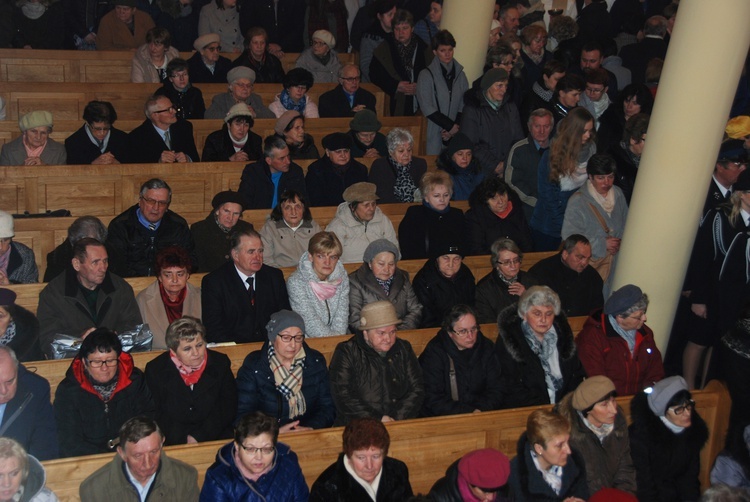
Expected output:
(283, 121)
(591, 391)
(378, 315)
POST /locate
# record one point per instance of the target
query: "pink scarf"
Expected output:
(465, 490)
(33, 152)
(190, 375)
(324, 290)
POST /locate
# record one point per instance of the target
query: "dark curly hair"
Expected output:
(362, 433)
(298, 76)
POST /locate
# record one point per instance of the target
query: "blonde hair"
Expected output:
(10, 448)
(566, 145)
(431, 179)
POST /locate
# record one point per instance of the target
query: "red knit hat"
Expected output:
(612, 495)
(486, 468)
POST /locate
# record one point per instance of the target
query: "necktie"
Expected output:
(251, 290)
(151, 227)
(168, 139)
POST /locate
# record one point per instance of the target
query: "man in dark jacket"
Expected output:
(141, 231)
(347, 98)
(162, 137)
(262, 182)
(328, 177)
(207, 65)
(636, 56)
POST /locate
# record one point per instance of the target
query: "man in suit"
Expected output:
(239, 297)
(635, 57)
(162, 138)
(347, 98)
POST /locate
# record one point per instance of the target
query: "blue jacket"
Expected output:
(256, 389)
(283, 483)
(550, 203)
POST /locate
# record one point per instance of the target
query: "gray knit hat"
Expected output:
(282, 320)
(239, 72)
(376, 247)
(662, 392)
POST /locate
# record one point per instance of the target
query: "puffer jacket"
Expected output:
(364, 289)
(438, 294)
(356, 235)
(283, 483)
(335, 484)
(366, 384)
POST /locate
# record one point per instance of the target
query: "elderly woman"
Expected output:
(379, 279)
(19, 328)
(22, 475)
(334, 172)
(533, 52)
(294, 96)
(495, 213)
(397, 177)
(463, 168)
(291, 127)
(562, 171)
(505, 284)
(150, 59)
(38, 24)
(367, 141)
(599, 432)
(364, 471)
(97, 142)
(666, 438)
(222, 17)
(443, 281)
(102, 389)
(241, 80)
(319, 288)
(34, 147)
(425, 226)
(267, 67)
(207, 65)
(186, 99)
(359, 221)
(633, 99)
(536, 350)
(479, 475)
(235, 142)
(321, 58)
(545, 466)
(17, 262)
(193, 387)
(440, 92)
(255, 466)
(461, 373)
(288, 230)
(171, 296)
(212, 236)
(286, 379)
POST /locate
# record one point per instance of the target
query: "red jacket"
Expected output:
(604, 352)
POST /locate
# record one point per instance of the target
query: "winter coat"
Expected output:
(283, 483)
(212, 244)
(304, 150)
(13, 153)
(604, 352)
(667, 465)
(204, 411)
(219, 147)
(522, 378)
(356, 235)
(322, 317)
(383, 175)
(734, 368)
(483, 227)
(188, 104)
(325, 186)
(200, 74)
(114, 35)
(282, 245)
(221, 103)
(438, 294)
(155, 315)
(359, 149)
(25, 342)
(366, 384)
(335, 484)
(143, 70)
(335, 103)
(492, 295)
(521, 171)
(21, 265)
(223, 22)
(257, 391)
(365, 289)
(627, 170)
(81, 150)
(45, 32)
(85, 422)
(387, 71)
(323, 73)
(268, 71)
(310, 111)
(465, 180)
(440, 105)
(258, 188)
(477, 376)
(423, 229)
(608, 462)
(579, 293)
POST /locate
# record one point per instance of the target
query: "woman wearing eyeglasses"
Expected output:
(461, 373)
(102, 390)
(255, 466)
(286, 379)
(666, 437)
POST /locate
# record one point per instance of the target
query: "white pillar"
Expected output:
(469, 23)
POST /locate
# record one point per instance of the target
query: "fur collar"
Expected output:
(659, 435)
(512, 337)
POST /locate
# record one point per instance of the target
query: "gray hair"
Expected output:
(641, 304)
(349, 65)
(724, 493)
(151, 103)
(542, 112)
(87, 226)
(11, 353)
(397, 137)
(538, 296)
(156, 184)
(275, 142)
(138, 428)
(503, 245)
(655, 25)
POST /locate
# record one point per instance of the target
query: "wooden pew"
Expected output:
(66, 100)
(22, 65)
(427, 445)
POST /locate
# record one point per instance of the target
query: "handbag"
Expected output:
(602, 265)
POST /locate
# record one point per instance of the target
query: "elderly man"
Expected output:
(85, 297)
(731, 162)
(376, 374)
(34, 147)
(267, 67)
(320, 58)
(569, 274)
(59, 258)
(264, 181)
(207, 65)
(241, 80)
(162, 137)
(141, 470)
(141, 231)
(509, 18)
(123, 28)
(636, 56)
(239, 297)
(27, 414)
(359, 221)
(523, 159)
(328, 177)
(347, 98)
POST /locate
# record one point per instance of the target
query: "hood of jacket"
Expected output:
(511, 334)
(124, 371)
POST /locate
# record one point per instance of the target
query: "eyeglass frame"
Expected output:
(463, 333)
(679, 410)
(154, 202)
(289, 338)
(253, 450)
(507, 263)
(108, 363)
(171, 108)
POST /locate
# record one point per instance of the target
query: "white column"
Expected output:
(469, 22)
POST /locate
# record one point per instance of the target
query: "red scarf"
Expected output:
(173, 308)
(189, 374)
(507, 211)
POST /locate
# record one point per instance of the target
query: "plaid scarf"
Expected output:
(289, 381)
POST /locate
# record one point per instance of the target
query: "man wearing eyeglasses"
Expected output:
(162, 138)
(348, 97)
(137, 234)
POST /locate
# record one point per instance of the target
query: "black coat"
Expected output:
(667, 465)
(438, 294)
(219, 146)
(59, 259)
(269, 71)
(284, 24)
(636, 56)
(594, 23)
(626, 169)
(212, 244)
(305, 150)
(335, 484)
(80, 149)
(383, 175)
(423, 228)
(25, 343)
(386, 71)
(335, 103)
(188, 104)
(200, 74)
(145, 145)
(522, 380)
(227, 313)
(258, 189)
(325, 186)
(580, 294)
(206, 411)
(493, 296)
(483, 227)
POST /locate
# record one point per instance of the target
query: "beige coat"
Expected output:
(283, 246)
(141, 69)
(153, 313)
